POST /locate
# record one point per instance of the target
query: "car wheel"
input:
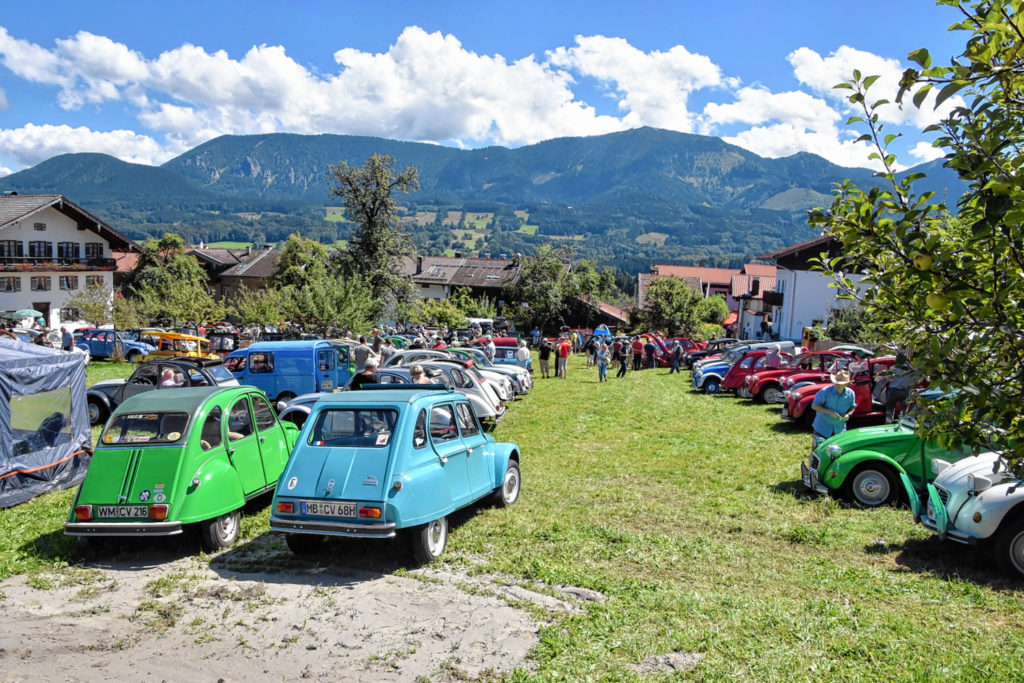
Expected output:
(508, 493)
(870, 486)
(429, 540)
(772, 394)
(712, 386)
(133, 357)
(304, 544)
(296, 417)
(220, 532)
(1009, 548)
(97, 412)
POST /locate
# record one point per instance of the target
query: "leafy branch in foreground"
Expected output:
(951, 288)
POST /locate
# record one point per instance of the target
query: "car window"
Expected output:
(467, 420)
(236, 364)
(146, 374)
(261, 361)
(239, 421)
(145, 428)
(197, 379)
(360, 427)
(419, 432)
(442, 424)
(325, 360)
(462, 380)
(211, 437)
(264, 413)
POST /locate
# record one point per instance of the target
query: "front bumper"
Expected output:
(327, 528)
(951, 534)
(122, 528)
(810, 479)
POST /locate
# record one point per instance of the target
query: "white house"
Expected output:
(801, 296)
(50, 250)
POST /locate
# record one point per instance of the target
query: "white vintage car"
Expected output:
(974, 501)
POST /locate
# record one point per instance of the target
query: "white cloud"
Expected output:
(31, 144)
(652, 87)
(924, 151)
(758, 105)
(785, 139)
(822, 74)
(4, 171)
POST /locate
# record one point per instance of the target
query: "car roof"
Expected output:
(398, 394)
(297, 344)
(184, 399)
(191, 362)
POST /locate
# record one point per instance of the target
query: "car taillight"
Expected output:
(372, 513)
(288, 508)
(83, 512)
(158, 512)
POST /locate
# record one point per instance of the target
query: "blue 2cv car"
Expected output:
(388, 458)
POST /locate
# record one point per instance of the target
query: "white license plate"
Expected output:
(322, 509)
(122, 511)
(327, 385)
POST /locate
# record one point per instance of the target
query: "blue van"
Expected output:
(286, 369)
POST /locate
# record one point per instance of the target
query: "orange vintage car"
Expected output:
(172, 344)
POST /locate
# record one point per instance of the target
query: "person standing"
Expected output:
(624, 355)
(523, 356)
(677, 355)
(638, 353)
(590, 348)
(536, 337)
(67, 342)
(649, 350)
(602, 362)
(387, 350)
(564, 349)
(746, 331)
(361, 354)
(490, 349)
(544, 354)
(833, 405)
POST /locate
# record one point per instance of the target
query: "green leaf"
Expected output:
(921, 94)
(921, 57)
(869, 81)
(949, 91)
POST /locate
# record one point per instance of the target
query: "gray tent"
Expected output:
(45, 439)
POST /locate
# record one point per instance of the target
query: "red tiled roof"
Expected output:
(716, 276)
(741, 284)
(759, 270)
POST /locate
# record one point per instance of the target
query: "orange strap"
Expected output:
(43, 467)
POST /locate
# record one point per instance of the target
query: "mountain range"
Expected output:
(625, 199)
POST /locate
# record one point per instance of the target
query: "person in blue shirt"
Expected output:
(833, 405)
(536, 337)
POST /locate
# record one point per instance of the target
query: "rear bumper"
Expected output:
(122, 528)
(328, 528)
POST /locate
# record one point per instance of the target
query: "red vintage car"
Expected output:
(753, 361)
(767, 385)
(865, 374)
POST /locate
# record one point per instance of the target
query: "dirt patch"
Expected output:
(160, 616)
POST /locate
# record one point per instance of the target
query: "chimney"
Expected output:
(458, 254)
(419, 265)
(654, 270)
(248, 250)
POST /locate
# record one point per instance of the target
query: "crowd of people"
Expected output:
(624, 352)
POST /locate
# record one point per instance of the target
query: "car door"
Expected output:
(146, 378)
(244, 448)
(270, 435)
(326, 370)
(478, 465)
(447, 443)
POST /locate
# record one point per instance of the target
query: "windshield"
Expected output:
(220, 373)
(363, 427)
(145, 428)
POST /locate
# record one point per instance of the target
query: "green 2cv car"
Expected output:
(393, 458)
(871, 465)
(171, 458)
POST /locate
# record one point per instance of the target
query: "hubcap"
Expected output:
(872, 487)
(1017, 552)
(435, 537)
(226, 526)
(772, 395)
(511, 486)
(94, 413)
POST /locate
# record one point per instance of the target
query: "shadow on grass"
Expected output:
(796, 489)
(953, 562)
(348, 559)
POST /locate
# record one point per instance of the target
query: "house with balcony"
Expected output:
(50, 250)
(436, 277)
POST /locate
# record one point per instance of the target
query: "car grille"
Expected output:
(943, 495)
(815, 461)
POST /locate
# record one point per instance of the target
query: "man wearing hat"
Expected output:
(834, 405)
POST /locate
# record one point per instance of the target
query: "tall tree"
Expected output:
(170, 285)
(671, 306)
(378, 242)
(952, 289)
(541, 287)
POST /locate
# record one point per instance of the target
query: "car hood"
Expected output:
(713, 367)
(108, 386)
(954, 477)
(867, 437)
(337, 473)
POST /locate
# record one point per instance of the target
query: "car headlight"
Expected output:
(834, 450)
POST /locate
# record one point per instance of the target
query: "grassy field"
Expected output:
(657, 238)
(335, 214)
(529, 229)
(228, 245)
(477, 221)
(685, 510)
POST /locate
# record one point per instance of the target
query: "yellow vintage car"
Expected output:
(171, 344)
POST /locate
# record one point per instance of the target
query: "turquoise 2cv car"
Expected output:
(390, 459)
(167, 459)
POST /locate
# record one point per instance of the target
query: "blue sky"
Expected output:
(146, 81)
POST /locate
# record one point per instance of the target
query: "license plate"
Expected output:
(327, 385)
(785, 411)
(123, 511)
(321, 509)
